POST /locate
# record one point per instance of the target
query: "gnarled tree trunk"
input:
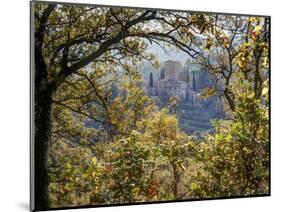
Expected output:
(42, 125)
(41, 142)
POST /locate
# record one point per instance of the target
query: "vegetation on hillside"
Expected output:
(86, 71)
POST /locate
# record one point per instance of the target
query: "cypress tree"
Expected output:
(193, 82)
(151, 80)
(162, 73)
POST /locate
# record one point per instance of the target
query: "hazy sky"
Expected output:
(171, 54)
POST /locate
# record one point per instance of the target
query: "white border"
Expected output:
(14, 104)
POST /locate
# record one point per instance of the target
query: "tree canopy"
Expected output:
(101, 139)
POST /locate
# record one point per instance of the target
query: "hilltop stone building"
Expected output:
(186, 83)
(174, 81)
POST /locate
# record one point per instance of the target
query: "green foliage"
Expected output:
(127, 164)
(132, 106)
(135, 152)
(136, 168)
(69, 183)
(235, 159)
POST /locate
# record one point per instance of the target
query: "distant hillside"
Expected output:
(194, 114)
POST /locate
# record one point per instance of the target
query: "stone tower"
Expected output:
(171, 69)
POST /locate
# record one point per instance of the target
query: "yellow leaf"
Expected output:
(94, 161)
(257, 29)
(265, 62)
(208, 92)
(93, 174)
(251, 95)
(265, 91)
